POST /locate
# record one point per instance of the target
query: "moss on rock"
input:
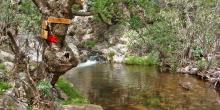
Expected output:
(73, 95)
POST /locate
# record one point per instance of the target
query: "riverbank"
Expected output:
(205, 70)
(67, 95)
(71, 98)
(211, 75)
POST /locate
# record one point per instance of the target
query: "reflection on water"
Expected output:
(120, 87)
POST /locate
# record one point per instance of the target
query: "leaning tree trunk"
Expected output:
(58, 57)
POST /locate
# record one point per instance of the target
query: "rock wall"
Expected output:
(110, 43)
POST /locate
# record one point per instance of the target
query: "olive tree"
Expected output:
(58, 58)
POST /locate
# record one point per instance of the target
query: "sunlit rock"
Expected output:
(4, 56)
(82, 107)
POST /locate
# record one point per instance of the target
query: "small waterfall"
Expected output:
(91, 61)
(82, 23)
(87, 63)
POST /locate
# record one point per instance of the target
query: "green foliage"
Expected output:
(113, 11)
(73, 95)
(89, 43)
(4, 86)
(135, 22)
(2, 67)
(149, 60)
(161, 34)
(45, 87)
(102, 7)
(6, 11)
(29, 17)
(25, 16)
(150, 6)
(197, 53)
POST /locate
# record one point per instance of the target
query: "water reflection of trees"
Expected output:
(117, 85)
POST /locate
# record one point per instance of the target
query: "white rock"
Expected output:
(6, 56)
(193, 70)
(118, 58)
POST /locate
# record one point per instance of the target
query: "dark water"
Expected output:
(120, 87)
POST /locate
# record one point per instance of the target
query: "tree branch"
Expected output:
(42, 6)
(14, 44)
(83, 13)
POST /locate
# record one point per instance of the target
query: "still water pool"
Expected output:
(121, 87)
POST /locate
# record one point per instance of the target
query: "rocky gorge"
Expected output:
(108, 42)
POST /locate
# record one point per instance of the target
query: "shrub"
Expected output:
(4, 86)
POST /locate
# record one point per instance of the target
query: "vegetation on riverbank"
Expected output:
(74, 96)
(180, 31)
(149, 60)
(4, 85)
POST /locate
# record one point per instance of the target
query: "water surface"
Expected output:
(120, 87)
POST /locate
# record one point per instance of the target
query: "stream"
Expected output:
(129, 87)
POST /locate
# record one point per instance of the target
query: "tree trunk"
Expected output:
(58, 57)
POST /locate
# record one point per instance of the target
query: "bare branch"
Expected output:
(83, 13)
(42, 6)
(13, 42)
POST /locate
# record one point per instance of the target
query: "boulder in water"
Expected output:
(186, 85)
(188, 70)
